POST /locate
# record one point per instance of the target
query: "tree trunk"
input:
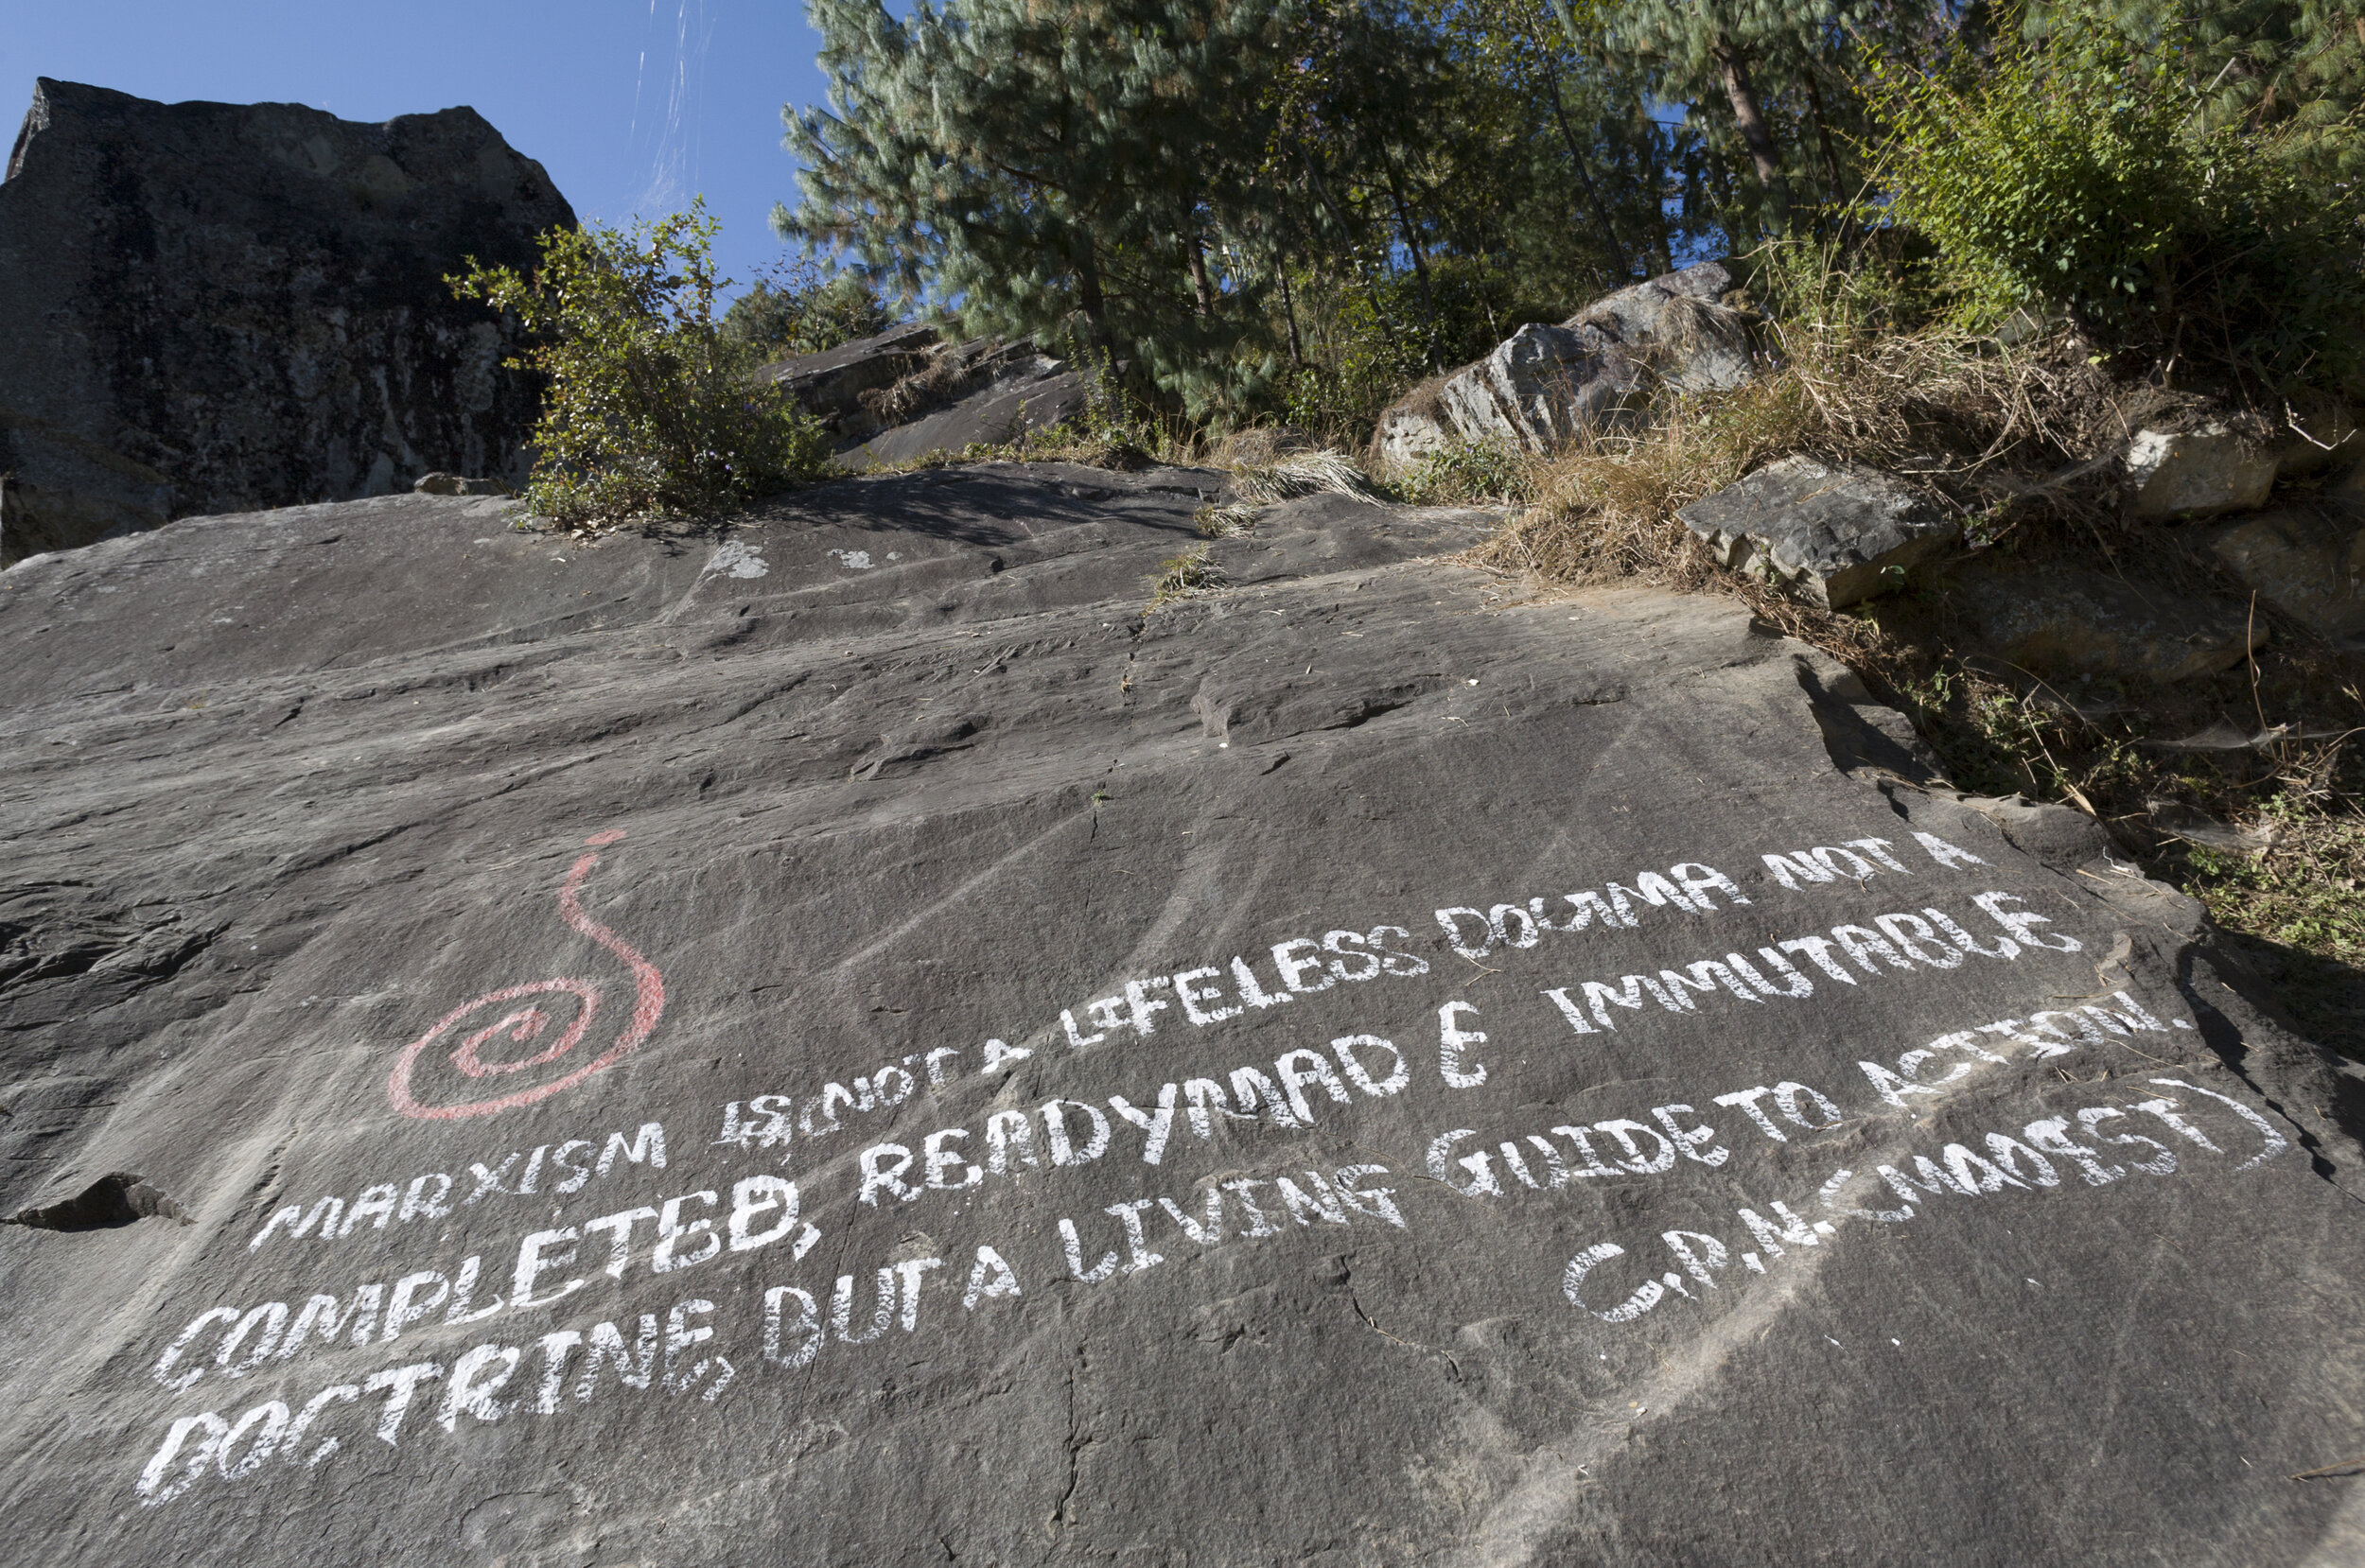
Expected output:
(1321, 190)
(1096, 309)
(1200, 286)
(1289, 311)
(1662, 238)
(1420, 262)
(1584, 175)
(1750, 116)
(1823, 132)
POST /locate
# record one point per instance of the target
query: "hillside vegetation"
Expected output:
(1981, 247)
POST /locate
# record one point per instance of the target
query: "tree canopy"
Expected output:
(1302, 204)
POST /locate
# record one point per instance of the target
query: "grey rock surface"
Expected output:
(841, 1040)
(207, 307)
(2197, 473)
(2307, 562)
(1538, 388)
(1836, 535)
(2075, 623)
(1679, 327)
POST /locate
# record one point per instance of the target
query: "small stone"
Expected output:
(1836, 535)
(2197, 473)
(438, 484)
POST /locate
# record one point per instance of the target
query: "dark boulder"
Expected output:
(209, 308)
(2069, 621)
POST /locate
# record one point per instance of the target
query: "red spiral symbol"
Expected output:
(523, 1025)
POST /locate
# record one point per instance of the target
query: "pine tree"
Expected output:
(1781, 74)
(1027, 166)
(2293, 68)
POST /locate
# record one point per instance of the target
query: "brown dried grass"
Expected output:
(2005, 435)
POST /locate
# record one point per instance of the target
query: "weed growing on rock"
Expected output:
(1183, 575)
(2298, 909)
(649, 409)
(1471, 471)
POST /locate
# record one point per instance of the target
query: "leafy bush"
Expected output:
(2079, 174)
(649, 408)
(1473, 471)
(802, 307)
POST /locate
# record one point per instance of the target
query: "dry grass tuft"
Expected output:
(1301, 474)
(1183, 575)
(1226, 521)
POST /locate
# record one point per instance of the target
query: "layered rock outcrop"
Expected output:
(208, 308)
(1543, 384)
(1836, 535)
(906, 394)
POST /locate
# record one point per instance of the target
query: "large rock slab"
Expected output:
(843, 1040)
(208, 308)
(1543, 385)
(1679, 326)
(1834, 535)
(828, 385)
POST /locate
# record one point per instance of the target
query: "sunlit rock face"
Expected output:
(208, 308)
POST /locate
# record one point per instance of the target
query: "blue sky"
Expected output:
(634, 106)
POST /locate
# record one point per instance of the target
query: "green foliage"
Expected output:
(649, 408)
(1472, 471)
(2293, 67)
(1200, 188)
(1023, 163)
(2298, 901)
(2080, 174)
(801, 307)
(1378, 331)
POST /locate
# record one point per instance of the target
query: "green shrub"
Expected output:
(2078, 174)
(649, 408)
(1472, 471)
